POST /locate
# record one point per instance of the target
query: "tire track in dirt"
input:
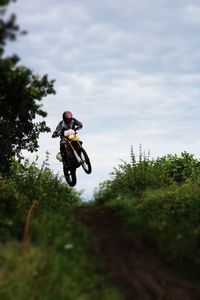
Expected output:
(139, 274)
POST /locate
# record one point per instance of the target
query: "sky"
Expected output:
(129, 70)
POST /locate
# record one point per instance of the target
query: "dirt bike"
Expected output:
(73, 156)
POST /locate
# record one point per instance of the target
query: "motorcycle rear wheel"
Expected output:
(70, 175)
(86, 165)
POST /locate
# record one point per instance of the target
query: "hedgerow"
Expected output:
(135, 177)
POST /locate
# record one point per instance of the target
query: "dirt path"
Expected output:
(139, 274)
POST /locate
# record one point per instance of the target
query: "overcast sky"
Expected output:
(129, 70)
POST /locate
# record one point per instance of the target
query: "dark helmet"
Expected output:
(67, 116)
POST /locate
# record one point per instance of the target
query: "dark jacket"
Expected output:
(62, 126)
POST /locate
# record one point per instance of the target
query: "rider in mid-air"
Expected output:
(68, 122)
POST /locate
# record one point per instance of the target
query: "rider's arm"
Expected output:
(58, 129)
(78, 124)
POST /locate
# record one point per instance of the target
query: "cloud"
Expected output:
(192, 13)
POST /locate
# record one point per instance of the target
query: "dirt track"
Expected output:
(139, 274)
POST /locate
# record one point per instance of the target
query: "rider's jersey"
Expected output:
(74, 124)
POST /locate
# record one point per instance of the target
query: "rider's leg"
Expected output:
(62, 149)
(64, 153)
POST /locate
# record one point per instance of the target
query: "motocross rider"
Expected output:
(68, 122)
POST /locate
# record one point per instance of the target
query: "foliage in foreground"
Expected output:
(160, 199)
(27, 183)
(44, 253)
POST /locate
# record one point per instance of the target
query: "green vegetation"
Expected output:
(45, 253)
(21, 93)
(160, 200)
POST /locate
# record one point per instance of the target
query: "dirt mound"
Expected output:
(138, 273)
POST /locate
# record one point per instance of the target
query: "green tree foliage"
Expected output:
(8, 28)
(21, 93)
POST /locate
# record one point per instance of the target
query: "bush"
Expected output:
(135, 177)
(168, 218)
(52, 256)
(26, 183)
(160, 199)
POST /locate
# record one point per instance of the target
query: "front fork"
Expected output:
(75, 152)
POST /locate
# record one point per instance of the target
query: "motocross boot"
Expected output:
(59, 157)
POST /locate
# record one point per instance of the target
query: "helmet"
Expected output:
(67, 116)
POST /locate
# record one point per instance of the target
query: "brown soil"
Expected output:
(137, 272)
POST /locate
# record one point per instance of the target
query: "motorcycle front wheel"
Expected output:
(70, 175)
(85, 161)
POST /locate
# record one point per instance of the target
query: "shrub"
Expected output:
(28, 182)
(133, 178)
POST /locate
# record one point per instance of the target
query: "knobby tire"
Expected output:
(86, 165)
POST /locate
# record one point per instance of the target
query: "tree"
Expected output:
(21, 93)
